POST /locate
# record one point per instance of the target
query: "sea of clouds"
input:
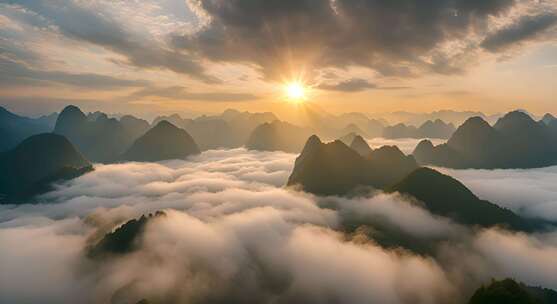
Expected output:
(234, 234)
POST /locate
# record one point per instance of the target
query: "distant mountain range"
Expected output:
(515, 141)
(34, 164)
(231, 129)
(429, 129)
(98, 137)
(278, 136)
(336, 169)
(14, 128)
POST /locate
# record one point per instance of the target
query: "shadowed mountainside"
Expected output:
(14, 128)
(33, 165)
(99, 138)
(124, 239)
(335, 169)
(508, 291)
(360, 145)
(515, 141)
(163, 142)
(446, 196)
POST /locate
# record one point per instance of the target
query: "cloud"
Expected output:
(529, 192)
(91, 24)
(351, 85)
(233, 234)
(19, 74)
(291, 37)
(181, 93)
(527, 28)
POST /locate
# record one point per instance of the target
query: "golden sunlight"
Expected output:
(295, 91)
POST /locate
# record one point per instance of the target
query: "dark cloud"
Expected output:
(18, 73)
(526, 28)
(357, 85)
(287, 36)
(351, 85)
(182, 93)
(77, 22)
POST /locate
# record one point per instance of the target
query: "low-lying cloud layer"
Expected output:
(233, 234)
(530, 192)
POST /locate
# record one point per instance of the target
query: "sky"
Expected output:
(203, 56)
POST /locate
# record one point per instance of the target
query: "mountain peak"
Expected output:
(313, 141)
(69, 119)
(514, 119)
(360, 145)
(548, 118)
(162, 142)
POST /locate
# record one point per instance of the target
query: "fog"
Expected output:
(234, 234)
(529, 192)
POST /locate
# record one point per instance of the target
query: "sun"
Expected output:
(295, 91)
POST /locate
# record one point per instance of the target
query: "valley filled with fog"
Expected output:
(234, 233)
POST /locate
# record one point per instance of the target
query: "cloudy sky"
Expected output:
(199, 56)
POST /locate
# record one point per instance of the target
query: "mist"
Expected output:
(529, 192)
(233, 233)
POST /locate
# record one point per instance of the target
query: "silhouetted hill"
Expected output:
(400, 131)
(278, 136)
(335, 169)
(445, 196)
(98, 137)
(515, 141)
(508, 291)
(231, 129)
(436, 129)
(134, 127)
(14, 128)
(123, 239)
(360, 145)
(548, 118)
(348, 138)
(354, 129)
(163, 142)
(429, 129)
(35, 163)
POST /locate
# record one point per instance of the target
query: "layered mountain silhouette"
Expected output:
(446, 196)
(360, 145)
(278, 136)
(335, 169)
(231, 129)
(98, 137)
(14, 128)
(508, 291)
(34, 164)
(348, 138)
(429, 129)
(515, 141)
(163, 142)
